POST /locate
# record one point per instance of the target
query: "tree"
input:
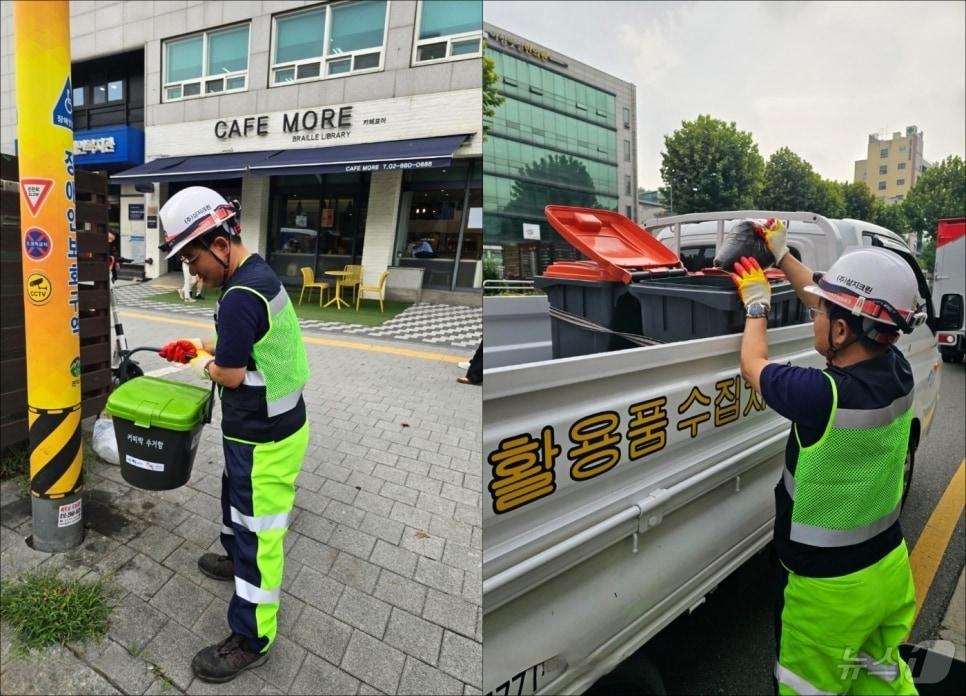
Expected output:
(859, 200)
(828, 199)
(939, 193)
(559, 179)
(892, 216)
(710, 165)
(491, 98)
(788, 183)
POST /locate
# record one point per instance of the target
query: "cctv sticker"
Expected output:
(39, 288)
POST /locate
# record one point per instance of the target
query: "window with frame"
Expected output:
(882, 185)
(902, 165)
(627, 184)
(78, 97)
(627, 117)
(883, 169)
(627, 150)
(331, 41)
(448, 30)
(211, 62)
(884, 152)
(900, 182)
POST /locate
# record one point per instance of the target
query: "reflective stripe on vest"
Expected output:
(259, 524)
(256, 595)
(855, 419)
(819, 536)
(801, 686)
(227, 530)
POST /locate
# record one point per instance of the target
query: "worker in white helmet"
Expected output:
(845, 592)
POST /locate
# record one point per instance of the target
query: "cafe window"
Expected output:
(435, 233)
(448, 30)
(212, 62)
(330, 41)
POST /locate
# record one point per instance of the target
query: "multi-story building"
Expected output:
(565, 134)
(349, 131)
(891, 167)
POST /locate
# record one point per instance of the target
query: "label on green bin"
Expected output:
(144, 464)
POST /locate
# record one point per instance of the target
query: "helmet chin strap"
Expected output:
(224, 264)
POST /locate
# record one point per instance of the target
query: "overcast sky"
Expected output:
(816, 77)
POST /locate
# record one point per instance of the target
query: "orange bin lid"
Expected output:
(613, 241)
(583, 270)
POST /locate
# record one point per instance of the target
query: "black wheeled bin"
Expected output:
(158, 424)
(701, 306)
(582, 288)
(597, 290)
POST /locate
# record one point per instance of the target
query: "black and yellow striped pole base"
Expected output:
(55, 479)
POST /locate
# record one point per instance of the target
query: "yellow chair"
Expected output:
(352, 279)
(379, 288)
(308, 281)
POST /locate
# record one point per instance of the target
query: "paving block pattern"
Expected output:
(382, 581)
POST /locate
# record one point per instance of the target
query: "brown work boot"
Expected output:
(225, 661)
(216, 567)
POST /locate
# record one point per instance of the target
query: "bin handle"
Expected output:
(209, 407)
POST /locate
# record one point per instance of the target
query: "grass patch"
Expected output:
(15, 462)
(44, 610)
(368, 314)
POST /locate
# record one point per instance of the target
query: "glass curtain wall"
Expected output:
(553, 141)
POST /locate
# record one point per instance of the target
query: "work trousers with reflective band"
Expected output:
(257, 495)
(841, 635)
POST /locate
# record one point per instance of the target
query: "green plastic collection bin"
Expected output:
(158, 424)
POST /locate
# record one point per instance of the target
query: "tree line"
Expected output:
(709, 164)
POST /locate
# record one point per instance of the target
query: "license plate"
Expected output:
(530, 680)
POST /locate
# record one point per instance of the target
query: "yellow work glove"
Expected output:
(751, 282)
(199, 364)
(775, 234)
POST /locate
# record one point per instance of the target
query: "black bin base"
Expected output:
(155, 459)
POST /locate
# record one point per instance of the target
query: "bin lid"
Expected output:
(612, 240)
(151, 402)
(583, 270)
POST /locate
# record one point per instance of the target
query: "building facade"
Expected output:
(565, 134)
(891, 167)
(349, 131)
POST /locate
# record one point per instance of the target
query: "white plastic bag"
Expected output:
(105, 444)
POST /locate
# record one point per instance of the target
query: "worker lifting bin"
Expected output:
(158, 426)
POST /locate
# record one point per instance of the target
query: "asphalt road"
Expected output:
(727, 645)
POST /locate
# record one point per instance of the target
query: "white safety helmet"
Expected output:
(875, 284)
(193, 212)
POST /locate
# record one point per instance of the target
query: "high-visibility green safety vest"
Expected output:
(847, 487)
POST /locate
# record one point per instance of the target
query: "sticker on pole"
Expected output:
(64, 108)
(37, 244)
(35, 191)
(39, 288)
(69, 514)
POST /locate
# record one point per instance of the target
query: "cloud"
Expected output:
(817, 77)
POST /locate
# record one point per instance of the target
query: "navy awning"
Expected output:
(419, 153)
(229, 165)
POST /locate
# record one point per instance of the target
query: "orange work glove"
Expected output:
(751, 282)
(775, 234)
(181, 350)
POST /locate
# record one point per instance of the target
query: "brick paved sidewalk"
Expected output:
(382, 577)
